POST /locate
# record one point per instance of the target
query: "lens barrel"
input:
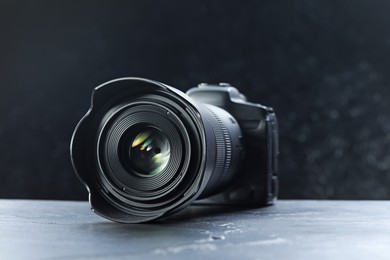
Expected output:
(146, 150)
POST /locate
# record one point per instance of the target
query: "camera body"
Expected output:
(145, 150)
(257, 181)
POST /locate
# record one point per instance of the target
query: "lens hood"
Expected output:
(199, 144)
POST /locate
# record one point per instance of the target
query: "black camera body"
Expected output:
(145, 150)
(257, 183)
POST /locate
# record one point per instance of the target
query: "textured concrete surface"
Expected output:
(288, 230)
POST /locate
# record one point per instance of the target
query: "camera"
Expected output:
(146, 150)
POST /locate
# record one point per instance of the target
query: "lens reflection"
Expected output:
(149, 152)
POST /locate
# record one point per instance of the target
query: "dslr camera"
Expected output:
(146, 150)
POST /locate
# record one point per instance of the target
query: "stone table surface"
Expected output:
(290, 229)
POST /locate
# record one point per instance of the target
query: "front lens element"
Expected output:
(149, 152)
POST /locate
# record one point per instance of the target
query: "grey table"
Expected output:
(287, 230)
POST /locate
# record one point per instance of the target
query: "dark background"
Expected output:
(323, 65)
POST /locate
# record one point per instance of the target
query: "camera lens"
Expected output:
(149, 152)
(142, 151)
(146, 150)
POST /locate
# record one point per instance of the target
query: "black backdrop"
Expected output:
(323, 65)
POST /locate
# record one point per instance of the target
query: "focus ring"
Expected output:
(223, 150)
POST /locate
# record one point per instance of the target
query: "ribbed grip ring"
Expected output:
(223, 152)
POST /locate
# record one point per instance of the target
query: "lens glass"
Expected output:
(149, 152)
